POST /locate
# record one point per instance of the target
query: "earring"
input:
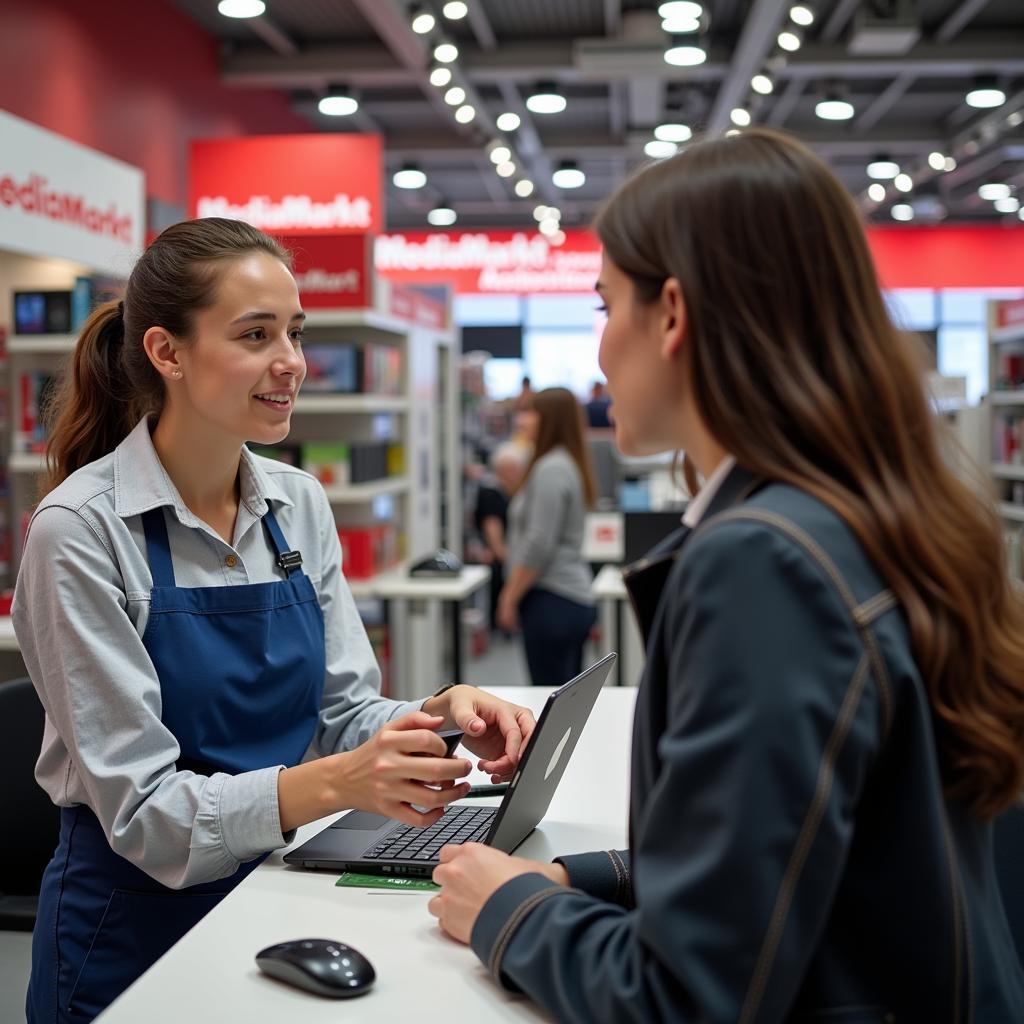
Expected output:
(177, 373)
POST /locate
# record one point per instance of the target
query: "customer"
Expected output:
(597, 406)
(547, 591)
(490, 517)
(183, 616)
(832, 710)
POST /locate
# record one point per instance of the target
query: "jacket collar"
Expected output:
(141, 483)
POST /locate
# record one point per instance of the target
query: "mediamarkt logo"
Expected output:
(291, 212)
(317, 279)
(33, 196)
(466, 252)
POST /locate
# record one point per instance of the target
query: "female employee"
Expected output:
(547, 589)
(182, 613)
(832, 710)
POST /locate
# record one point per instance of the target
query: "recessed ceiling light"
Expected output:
(658, 149)
(506, 169)
(834, 109)
(685, 55)
(740, 116)
(455, 95)
(801, 14)
(524, 188)
(440, 76)
(876, 192)
(410, 176)
(465, 113)
(507, 122)
(902, 211)
(545, 99)
(994, 190)
(422, 21)
(454, 10)
(937, 161)
(499, 153)
(441, 216)
(338, 103)
(790, 39)
(568, 175)
(672, 131)
(241, 8)
(1011, 204)
(882, 168)
(762, 84)
(903, 182)
(446, 52)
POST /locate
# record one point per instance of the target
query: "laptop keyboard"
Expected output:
(458, 825)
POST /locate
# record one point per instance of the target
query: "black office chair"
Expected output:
(1008, 841)
(29, 814)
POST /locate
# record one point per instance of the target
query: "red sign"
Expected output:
(290, 184)
(408, 304)
(1010, 314)
(332, 272)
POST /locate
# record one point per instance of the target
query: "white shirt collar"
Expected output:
(696, 509)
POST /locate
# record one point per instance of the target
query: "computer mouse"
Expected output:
(323, 966)
(441, 563)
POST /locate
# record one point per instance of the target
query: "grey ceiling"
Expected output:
(606, 56)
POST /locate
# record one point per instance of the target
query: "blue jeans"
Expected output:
(554, 632)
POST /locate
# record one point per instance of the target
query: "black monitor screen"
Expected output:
(502, 342)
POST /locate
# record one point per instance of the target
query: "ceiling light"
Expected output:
(422, 21)
(410, 176)
(680, 23)
(986, 93)
(732, 131)
(506, 169)
(465, 113)
(1015, 119)
(902, 211)
(680, 9)
(338, 103)
(455, 95)
(950, 164)
(441, 216)
(446, 52)
(658, 149)
(549, 226)
(568, 175)
(937, 161)
(994, 190)
(876, 192)
(524, 188)
(790, 39)
(545, 99)
(832, 108)
(540, 212)
(499, 153)
(685, 52)
(740, 116)
(454, 10)
(1020, 213)
(882, 168)
(440, 76)
(1011, 204)
(241, 8)
(507, 122)
(673, 132)
(801, 14)
(558, 238)
(762, 84)
(903, 182)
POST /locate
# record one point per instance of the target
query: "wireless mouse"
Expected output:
(323, 966)
(441, 563)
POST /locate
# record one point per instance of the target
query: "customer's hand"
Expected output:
(469, 875)
(389, 773)
(494, 729)
(507, 613)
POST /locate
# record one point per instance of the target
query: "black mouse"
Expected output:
(441, 563)
(323, 966)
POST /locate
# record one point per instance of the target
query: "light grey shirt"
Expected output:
(80, 610)
(545, 527)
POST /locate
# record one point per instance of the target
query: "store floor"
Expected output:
(15, 958)
(502, 664)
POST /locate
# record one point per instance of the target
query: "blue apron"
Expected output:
(241, 674)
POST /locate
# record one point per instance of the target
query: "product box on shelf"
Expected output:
(367, 550)
(382, 370)
(42, 312)
(1008, 438)
(290, 454)
(34, 391)
(328, 462)
(337, 369)
(1010, 371)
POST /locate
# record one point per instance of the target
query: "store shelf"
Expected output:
(372, 326)
(1008, 335)
(351, 403)
(41, 344)
(1008, 397)
(26, 462)
(356, 493)
(1010, 511)
(1004, 471)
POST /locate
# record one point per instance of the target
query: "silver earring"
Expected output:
(177, 373)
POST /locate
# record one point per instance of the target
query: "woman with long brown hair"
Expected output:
(183, 615)
(832, 710)
(547, 592)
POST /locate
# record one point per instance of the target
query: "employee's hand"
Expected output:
(469, 875)
(507, 613)
(494, 729)
(389, 773)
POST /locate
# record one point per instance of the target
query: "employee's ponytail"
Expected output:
(111, 383)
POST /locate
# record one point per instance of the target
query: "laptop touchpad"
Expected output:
(361, 820)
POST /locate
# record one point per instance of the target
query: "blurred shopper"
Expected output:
(832, 709)
(525, 397)
(597, 407)
(507, 466)
(547, 591)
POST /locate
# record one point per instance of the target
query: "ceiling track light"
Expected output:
(685, 51)
(791, 38)
(680, 9)
(422, 21)
(446, 53)
(507, 122)
(802, 15)
(882, 168)
(524, 188)
(498, 152)
(876, 192)
(568, 175)
(762, 84)
(986, 93)
(465, 113)
(441, 216)
(241, 8)
(440, 75)
(455, 10)
(545, 99)
(832, 107)
(505, 169)
(903, 182)
(673, 131)
(902, 211)
(338, 102)
(740, 117)
(660, 149)
(455, 96)
(409, 176)
(994, 190)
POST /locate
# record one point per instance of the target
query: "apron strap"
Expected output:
(158, 547)
(289, 561)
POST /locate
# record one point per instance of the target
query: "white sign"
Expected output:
(58, 198)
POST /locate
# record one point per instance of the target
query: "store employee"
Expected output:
(182, 613)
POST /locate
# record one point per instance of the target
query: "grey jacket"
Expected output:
(792, 856)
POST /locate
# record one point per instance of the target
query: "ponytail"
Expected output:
(112, 384)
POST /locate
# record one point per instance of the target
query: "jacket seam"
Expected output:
(618, 873)
(808, 833)
(627, 878)
(811, 546)
(508, 929)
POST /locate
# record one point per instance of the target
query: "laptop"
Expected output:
(374, 844)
